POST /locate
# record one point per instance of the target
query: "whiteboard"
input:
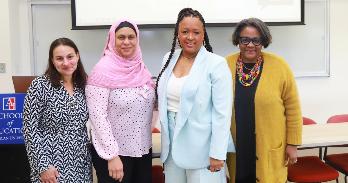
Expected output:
(305, 47)
(162, 12)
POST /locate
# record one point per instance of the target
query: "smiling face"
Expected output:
(65, 60)
(250, 51)
(191, 35)
(125, 42)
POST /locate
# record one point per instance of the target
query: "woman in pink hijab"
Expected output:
(120, 97)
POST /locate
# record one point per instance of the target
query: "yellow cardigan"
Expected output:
(278, 119)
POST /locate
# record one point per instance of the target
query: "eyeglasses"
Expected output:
(246, 40)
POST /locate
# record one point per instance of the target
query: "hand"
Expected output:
(216, 165)
(291, 155)
(115, 168)
(50, 175)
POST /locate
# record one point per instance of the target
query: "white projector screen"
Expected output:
(90, 14)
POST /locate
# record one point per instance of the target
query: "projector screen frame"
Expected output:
(151, 26)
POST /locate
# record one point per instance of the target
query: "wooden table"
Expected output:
(321, 135)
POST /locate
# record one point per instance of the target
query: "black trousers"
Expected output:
(136, 169)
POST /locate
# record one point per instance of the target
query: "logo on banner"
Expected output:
(9, 104)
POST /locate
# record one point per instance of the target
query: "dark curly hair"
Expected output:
(186, 12)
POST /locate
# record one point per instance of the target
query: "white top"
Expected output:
(174, 91)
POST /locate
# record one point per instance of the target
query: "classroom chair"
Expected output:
(338, 161)
(157, 174)
(311, 168)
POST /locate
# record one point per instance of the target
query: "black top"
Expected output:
(245, 129)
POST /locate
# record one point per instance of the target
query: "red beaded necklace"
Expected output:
(247, 79)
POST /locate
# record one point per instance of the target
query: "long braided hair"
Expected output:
(186, 12)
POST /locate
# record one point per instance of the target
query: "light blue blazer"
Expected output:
(203, 122)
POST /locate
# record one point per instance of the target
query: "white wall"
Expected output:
(155, 42)
(5, 47)
(20, 32)
(321, 97)
(15, 42)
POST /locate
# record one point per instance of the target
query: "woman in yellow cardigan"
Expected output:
(266, 121)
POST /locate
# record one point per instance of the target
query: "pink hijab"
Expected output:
(113, 71)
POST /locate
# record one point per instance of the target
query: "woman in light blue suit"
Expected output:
(194, 101)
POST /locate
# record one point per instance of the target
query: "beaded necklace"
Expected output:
(245, 67)
(247, 79)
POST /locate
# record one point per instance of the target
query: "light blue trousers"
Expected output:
(176, 174)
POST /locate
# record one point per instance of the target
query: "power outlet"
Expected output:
(2, 67)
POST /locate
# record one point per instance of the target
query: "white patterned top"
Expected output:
(55, 133)
(120, 120)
